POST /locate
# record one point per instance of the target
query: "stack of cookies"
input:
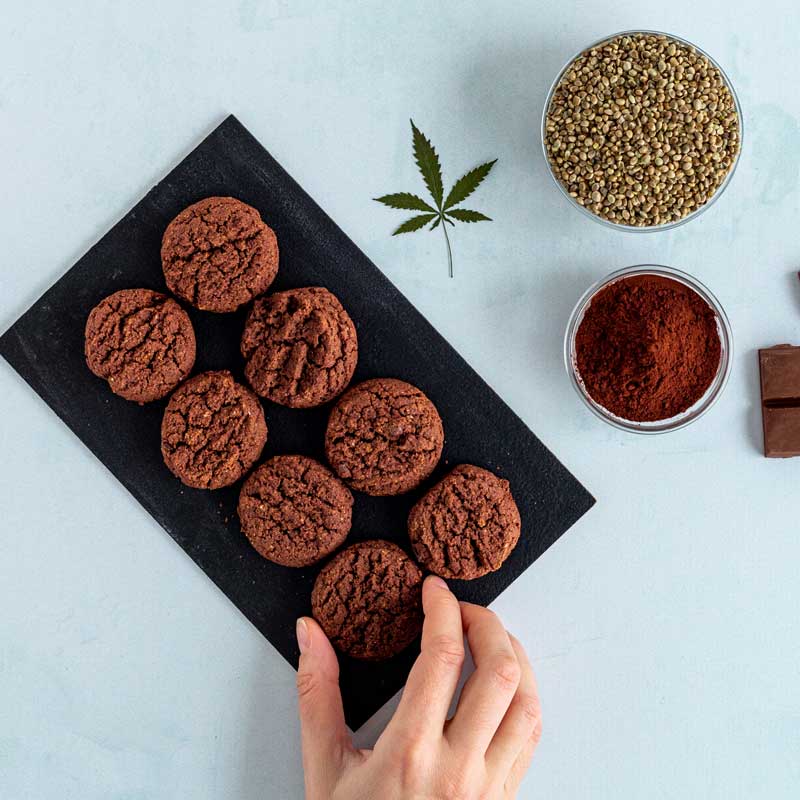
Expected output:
(300, 349)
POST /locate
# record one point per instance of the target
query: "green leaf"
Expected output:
(467, 184)
(428, 163)
(406, 201)
(465, 215)
(443, 214)
(415, 223)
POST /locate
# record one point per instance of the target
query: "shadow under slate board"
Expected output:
(46, 347)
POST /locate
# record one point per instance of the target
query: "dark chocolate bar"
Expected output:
(780, 400)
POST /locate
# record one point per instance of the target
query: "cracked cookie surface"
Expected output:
(142, 342)
(465, 526)
(384, 437)
(213, 431)
(219, 254)
(294, 510)
(368, 600)
(300, 346)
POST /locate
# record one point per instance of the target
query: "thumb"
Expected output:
(325, 737)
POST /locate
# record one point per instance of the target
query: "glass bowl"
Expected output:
(712, 393)
(666, 225)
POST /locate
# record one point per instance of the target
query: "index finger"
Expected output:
(434, 676)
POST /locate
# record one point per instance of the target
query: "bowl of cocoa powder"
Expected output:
(648, 349)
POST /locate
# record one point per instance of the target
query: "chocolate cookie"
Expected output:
(294, 511)
(466, 525)
(368, 600)
(141, 342)
(213, 431)
(301, 347)
(219, 254)
(384, 437)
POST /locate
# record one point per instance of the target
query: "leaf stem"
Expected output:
(449, 251)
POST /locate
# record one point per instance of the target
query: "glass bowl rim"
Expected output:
(643, 228)
(710, 396)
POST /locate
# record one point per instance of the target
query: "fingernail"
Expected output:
(303, 636)
(435, 580)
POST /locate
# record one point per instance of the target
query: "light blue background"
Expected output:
(663, 628)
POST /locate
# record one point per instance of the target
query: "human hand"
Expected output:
(481, 753)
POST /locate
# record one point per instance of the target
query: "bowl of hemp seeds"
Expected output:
(642, 131)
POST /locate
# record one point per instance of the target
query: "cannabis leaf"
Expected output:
(442, 212)
(407, 201)
(465, 215)
(467, 184)
(414, 224)
(428, 163)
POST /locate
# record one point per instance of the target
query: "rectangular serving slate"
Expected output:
(46, 347)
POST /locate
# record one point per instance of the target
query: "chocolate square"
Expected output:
(780, 373)
(781, 432)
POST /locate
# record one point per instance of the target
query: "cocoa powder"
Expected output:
(647, 348)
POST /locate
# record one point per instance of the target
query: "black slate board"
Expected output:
(46, 347)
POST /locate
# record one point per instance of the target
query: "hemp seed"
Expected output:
(642, 129)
